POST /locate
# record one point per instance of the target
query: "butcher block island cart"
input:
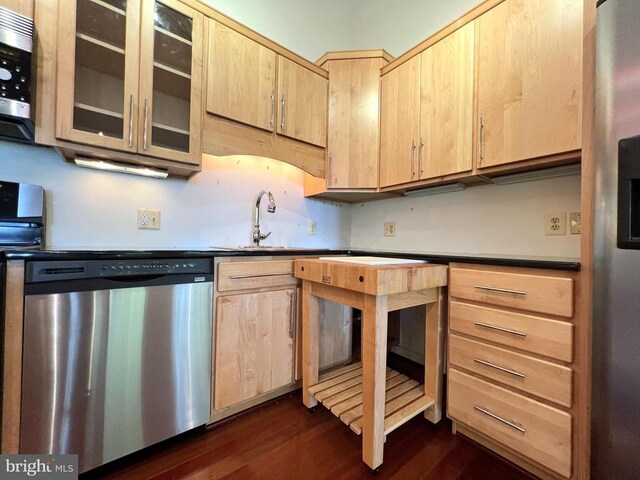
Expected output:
(369, 397)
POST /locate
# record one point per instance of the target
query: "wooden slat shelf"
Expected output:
(341, 392)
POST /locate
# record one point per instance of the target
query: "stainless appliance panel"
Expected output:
(109, 372)
(616, 321)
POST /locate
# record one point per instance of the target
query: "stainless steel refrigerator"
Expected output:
(615, 452)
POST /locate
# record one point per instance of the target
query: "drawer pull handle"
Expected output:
(513, 425)
(498, 367)
(500, 290)
(500, 329)
(258, 275)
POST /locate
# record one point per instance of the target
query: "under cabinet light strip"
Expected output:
(454, 187)
(554, 172)
(109, 166)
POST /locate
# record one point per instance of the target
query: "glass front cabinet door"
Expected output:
(133, 79)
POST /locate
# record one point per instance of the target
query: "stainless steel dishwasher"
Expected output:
(117, 355)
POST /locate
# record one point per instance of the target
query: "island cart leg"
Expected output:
(374, 364)
(310, 340)
(434, 355)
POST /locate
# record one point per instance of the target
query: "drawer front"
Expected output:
(536, 293)
(538, 377)
(551, 338)
(255, 274)
(531, 428)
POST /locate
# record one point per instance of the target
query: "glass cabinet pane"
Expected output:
(100, 67)
(172, 54)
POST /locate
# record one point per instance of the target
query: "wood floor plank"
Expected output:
(283, 440)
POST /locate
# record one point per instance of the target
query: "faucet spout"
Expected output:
(271, 208)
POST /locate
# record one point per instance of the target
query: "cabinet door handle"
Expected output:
(282, 105)
(273, 108)
(500, 290)
(292, 318)
(130, 121)
(501, 329)
(413, 154)
(329, 163)
(480, 134)
(509, 423)
(420, 169)
(145, 131)
(498, 367)
(258, 275)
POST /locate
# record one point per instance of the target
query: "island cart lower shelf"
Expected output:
(369, 397)
(341, 392)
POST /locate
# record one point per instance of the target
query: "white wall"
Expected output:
(88, 208)
(488, 219)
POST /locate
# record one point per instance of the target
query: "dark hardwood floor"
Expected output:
(283, 440)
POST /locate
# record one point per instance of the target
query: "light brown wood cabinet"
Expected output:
(134, 82)
(353, 129)
(529, 80)
(241, 76)
(511, 364)
(427, 112)
(254, 349)
(302, 103)
(241, 86)
(446, 105)
(399, 123)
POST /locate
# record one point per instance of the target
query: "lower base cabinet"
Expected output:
(511, 364)
(254, 351)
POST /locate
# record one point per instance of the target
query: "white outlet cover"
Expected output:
(555, 223)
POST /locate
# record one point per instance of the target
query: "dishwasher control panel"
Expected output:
(51, 271)
(154, 267)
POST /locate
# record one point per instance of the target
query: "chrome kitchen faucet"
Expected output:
(257, 236)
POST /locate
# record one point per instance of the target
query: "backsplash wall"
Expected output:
(88, 208)
(488, 219)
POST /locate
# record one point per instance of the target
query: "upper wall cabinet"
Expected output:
(399, 123)
(353, 130)
(241, 86)
(446, 105)
(427, 112)
(241, 78)
(262, 100)
(130, 77)
(302, 103)
(529, 80)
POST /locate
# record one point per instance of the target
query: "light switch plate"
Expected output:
(575, 223)
(555, 223)
(312, 227)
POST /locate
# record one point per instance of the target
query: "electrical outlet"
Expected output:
(148, 219)
(312, 227)
(555, 223)
(143, 218)
(575, 222)
(389, 229)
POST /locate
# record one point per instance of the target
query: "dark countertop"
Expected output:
(526, 261)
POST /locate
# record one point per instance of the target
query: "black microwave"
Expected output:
(16, 77)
